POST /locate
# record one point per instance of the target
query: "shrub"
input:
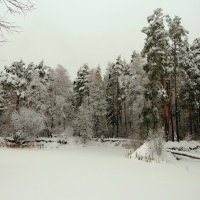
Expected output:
(156, 141)
(27, 123)
(18, 137)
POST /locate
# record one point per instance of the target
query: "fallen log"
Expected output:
(38, 140)
(190, 155)
(183, 148)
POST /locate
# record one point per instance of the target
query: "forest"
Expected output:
(128, 128)
(157, 89)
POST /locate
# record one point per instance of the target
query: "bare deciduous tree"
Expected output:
(13, 7)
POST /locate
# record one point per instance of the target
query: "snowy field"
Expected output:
(93, 173)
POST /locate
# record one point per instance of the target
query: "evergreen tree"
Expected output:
(134, 93)
(14, 81)
(38, 93)
(97, 103)
(177, 33)
(156, 51)
(2, 100)
(114, 96)
(195, 48)
(80, 86)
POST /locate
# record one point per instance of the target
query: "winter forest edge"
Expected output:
(129, 129)
(157, 91)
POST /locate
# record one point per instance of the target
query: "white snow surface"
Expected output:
(93, 172)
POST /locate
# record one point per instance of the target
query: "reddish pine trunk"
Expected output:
(172, 126)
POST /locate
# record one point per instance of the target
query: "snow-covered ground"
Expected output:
(95, 172)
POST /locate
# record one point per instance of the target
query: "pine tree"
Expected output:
(80, 86)
(36, 94)
(14, 81)
(156, 52)
(188, 86)
(97, 103)
(195, 48)
(114, 96)
(177, 34)
(110, 86)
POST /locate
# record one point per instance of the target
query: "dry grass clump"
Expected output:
(27, 145)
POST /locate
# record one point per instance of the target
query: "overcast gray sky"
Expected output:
(73, 32)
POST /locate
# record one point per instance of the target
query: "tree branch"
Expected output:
(14, 7)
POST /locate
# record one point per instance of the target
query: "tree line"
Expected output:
(172, 94)
(159, 87)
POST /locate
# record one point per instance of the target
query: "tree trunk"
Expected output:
(165, 111)
(117, 134)
(125, 120)
(64, 117)
(172, 127)
(130, 118)
(199, 113)
(170, 112)
(190, 121)
(52, 122)
(181, 153)
(117, 102)
(17, 102)
(175, 95)
(121, 134)
(97, 126)
(64, 120)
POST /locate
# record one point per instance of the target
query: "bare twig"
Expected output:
(7, 26)
(17, 6)
(13, 7)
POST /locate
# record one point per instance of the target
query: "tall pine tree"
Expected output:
(156, 52)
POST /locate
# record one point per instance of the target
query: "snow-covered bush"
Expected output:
(153, 148)
(156, 141)
(143, 153)
(28, 123)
